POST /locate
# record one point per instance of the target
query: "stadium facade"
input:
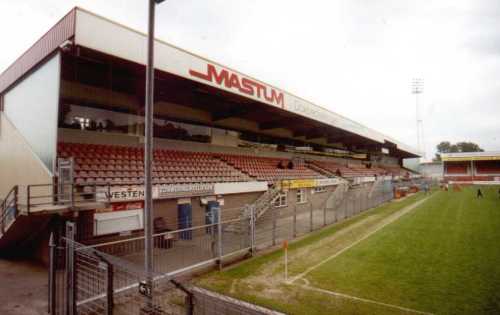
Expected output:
(472, 167)
(72, 137)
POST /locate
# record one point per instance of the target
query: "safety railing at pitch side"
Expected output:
(287, 224)
(181, 250)
(178, 251)
(9, 209)
(83, 276)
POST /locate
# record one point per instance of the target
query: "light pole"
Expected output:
(417, 87)
(148, 155)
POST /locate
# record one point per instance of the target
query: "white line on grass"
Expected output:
(401, 213)
(364, 300)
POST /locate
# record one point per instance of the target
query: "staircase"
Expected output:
(320, 170)
(265, 201)
(244, 176)
(260, 206)
(9, 211)
(17, 228)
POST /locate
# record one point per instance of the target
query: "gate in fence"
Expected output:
(85, 281)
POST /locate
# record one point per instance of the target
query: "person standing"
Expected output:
(479, 193)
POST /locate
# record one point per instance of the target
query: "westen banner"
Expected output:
(115, 194)
(112, 193)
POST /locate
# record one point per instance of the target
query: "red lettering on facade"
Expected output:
(243, 85)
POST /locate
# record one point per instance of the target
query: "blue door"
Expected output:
(185, 220)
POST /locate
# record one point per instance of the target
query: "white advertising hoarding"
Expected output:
(120, 193)
(239, 187)
(132, 193)
(328, 182)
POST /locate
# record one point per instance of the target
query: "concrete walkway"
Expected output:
(23, 287)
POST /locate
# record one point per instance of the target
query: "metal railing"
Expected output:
(32, 197)
(107, 278)
(70, 194)
(86, 281)
(181, 250)
(320, 170)
(8, 209)
(178, 251)
(265, 201)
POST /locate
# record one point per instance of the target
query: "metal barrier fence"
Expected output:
(85, 281)
(279, 225)
(107, 278)
(176, 252)
(179, 251)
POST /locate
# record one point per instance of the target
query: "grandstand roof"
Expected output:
(267, 105)
(471, 156)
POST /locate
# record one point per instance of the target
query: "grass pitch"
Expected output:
(442, 257)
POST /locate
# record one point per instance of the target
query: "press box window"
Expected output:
(280, 200)
(301, 196)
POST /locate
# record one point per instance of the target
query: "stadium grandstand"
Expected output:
(72, 138)
(472, 167)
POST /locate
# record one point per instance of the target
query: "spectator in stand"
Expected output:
(290, 165)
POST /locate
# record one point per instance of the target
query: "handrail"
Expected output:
(263, 203)
(56, 196)
(10, 202)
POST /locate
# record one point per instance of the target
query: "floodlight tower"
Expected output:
(417, 88)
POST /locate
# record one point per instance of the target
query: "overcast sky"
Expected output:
(356, 58)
